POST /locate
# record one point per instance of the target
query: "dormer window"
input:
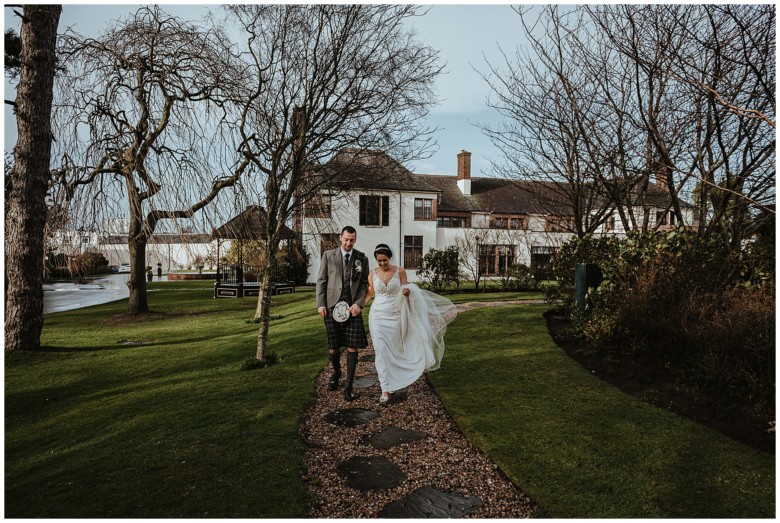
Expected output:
(319, 206)
(374, 210)
(423, 209)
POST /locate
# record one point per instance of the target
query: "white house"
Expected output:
(499, 222)
(175, 251)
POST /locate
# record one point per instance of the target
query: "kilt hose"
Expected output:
(350, 334)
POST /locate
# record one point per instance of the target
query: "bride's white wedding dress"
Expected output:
(407, 333)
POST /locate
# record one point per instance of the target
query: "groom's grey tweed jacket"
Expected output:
(330, 277)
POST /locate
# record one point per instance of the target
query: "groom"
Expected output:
(343, 276)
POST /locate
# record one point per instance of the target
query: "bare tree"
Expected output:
(611, 97)
(468, 254)
(25, 214)
(141, 118)
(324, 78)
(553, 110)
(704, 78)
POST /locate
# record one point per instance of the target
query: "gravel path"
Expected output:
(444, 459)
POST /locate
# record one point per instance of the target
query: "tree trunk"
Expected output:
(26, 204)
(263, 313)
(137, 281)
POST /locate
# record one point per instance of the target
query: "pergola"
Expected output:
(249, 225)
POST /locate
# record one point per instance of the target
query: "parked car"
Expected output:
(124, 267)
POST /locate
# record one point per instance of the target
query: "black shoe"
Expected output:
(349, 395)
(333, 383)
(335, 361)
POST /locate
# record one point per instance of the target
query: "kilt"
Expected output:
(350, 334)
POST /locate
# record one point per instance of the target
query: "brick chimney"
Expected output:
(662, 177)
(464, 172)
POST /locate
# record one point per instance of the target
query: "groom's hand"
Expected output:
(355, 309)
(322, 311)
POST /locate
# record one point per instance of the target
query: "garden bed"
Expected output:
(653, 381)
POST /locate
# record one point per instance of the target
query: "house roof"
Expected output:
(499, 195)
(494, 195)
(249, 225)
(376, 170)
(372, 170)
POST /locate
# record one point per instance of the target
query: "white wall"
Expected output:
(401, 223)
(173, 256)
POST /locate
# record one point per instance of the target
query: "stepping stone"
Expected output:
(371, 473)
(397, 397)
(350, 417)
(366, 357)
(370, 370)
(365, 382)
(430, 502)
(392, 436)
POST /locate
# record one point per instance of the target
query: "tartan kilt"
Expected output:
(350, 334)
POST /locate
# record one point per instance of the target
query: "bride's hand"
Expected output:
(405, 292)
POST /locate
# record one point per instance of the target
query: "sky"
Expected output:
(462, 33)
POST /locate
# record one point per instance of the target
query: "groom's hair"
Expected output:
(349, 229)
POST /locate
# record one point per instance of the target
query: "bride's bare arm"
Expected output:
(402, 277)
(370, 291)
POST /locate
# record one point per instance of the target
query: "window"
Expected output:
(423, 209)
(500, 223)
(495, 259)
(542, 257)
(413, 246)
(509, 222)
(665, 218)
(506, 257)
(374, 210)
(559, 224)
(518, 222)
(609, 225)
(451, 221)
(319, 206)
(328, 241)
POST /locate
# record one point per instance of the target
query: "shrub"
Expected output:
(733, 335)
(599, 250)
(439, 268)
(81, 265)
(518, 277)
(707, 310)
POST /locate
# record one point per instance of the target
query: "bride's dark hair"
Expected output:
(383, 248)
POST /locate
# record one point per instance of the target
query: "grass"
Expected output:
(580, 447)
(153, 417)
(117, 417)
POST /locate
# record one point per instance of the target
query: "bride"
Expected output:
(407, 325)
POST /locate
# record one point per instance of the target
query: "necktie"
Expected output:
(347, 273)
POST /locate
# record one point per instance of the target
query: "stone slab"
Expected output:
(366, 357)
(365, 382)
(397, 397)
(430, 502)
(371, 473)
(392, 436)
(351, 417)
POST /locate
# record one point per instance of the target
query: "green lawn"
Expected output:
(125, 418)
(579, 447)
(99, 426)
